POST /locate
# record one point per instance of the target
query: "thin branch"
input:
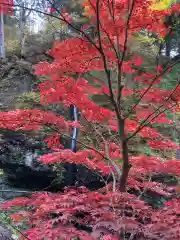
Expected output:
(107, 34)
(107, 71)
(119, 85)
(63, 19)
(75, 28)
(107, 154)
(30, 10)
(81, 143)
(142, 126)
(151, 84)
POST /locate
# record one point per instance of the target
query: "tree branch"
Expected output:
(151, 84)
(107, 71)
(119, 85)
(141, 126)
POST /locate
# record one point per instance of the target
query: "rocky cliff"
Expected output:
(16, 76)
(18, 152)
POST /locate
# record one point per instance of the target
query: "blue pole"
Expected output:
(75, 130)
(71, 168)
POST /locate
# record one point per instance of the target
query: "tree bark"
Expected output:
(125, 156)
(168, 48)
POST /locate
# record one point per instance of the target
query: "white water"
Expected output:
(29, 157)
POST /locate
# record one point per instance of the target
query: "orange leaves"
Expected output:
(127, 68)
(72, 55)
(131, 125)
(138, 60)
(173, 167)
(80, 55)
(127, 92)
(142, 15)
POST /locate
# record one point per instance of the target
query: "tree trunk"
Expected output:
(125, 157)
(125, 167)
(2, 47)
(168, 48)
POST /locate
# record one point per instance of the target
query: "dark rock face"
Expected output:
(91, 179)
(22, 171)
(22, 176)
(18, 159)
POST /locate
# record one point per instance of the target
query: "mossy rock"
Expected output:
(13, 48)
(27, 100)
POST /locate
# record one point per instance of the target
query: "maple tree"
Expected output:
(135, 110)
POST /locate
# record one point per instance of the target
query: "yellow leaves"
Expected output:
(145, 39)
(1, 172)
(81, 20)
(87, 8)
(86, 11)
(28, 100)
(119, 162)
(177, 110)
(161, 4)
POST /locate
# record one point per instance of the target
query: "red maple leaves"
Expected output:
(60, 215)
(111, 214)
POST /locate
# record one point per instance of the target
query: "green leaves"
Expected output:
(147, 151)
(170, 80)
